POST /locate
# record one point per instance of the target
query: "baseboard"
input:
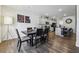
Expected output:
(77, 44)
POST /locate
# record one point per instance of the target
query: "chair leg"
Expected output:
(46, 39)
(42, 40)
(19, 47)
(36, 46)
(17, 43)
(28, 42)
(36, 41)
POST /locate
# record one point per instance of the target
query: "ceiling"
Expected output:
(51, 10)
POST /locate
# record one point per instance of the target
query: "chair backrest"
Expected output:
(18, 34)
(39, 32)
(46, 31)
(70, 30)
(65, 29)
(29, 29)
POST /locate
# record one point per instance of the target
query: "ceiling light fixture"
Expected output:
(46, 14)
(60, 10)
(65, 15)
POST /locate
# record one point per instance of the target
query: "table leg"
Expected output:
(31, 41)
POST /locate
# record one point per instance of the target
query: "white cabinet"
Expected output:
(58, 32)
(42, 21)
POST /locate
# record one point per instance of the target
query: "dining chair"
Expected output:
(45, 34)
(70, 32)
(21, 40)
(38, 37)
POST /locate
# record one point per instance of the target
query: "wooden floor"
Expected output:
(55, 44)
(8, 46)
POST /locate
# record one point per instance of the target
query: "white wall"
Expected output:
(71, 25)
(21, 26)
(0, 23)
(77, 34)
(8, 12)
(58, 21)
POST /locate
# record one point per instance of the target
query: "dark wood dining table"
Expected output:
(31, 33)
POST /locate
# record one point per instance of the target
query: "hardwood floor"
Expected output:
(62, 44)
(8, 46)
(55, 44)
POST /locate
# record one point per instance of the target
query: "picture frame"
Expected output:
(20, 18)
(27, 19)
(68, 21)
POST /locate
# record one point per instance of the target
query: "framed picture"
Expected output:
(27, 19)
(68, 21)
(20, 18)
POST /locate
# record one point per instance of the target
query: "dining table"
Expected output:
(30, 33)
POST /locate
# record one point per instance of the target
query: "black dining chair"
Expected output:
(45, 34)
(70, 32)
(38, 37)
(21, 40)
